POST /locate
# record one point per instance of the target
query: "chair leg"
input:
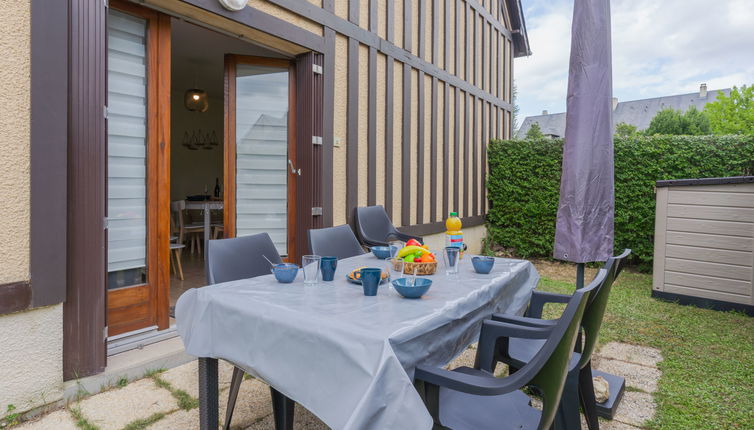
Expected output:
(586, 396)
(567, 417)
(172, 264)
(283, 409)
(178, 263)
(235, 385)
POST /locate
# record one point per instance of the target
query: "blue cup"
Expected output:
(370, 280)
(285, 272)
(483, 264)
(328, 266)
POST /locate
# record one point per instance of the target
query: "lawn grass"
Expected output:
(708, 368)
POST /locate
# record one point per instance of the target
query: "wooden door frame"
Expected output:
(229, 138)
(151, 300)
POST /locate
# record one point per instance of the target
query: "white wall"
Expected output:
(191, 170)
(31, 358)
(472, 237)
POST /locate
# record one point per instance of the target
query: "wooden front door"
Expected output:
(138, 168)
(261, 171)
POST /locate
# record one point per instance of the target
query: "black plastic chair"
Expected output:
(473, 398)
(338, 241)
(243, 258)
(579, 387)
(374, 227)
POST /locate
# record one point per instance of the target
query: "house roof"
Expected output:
(521, 46)
(635, 112)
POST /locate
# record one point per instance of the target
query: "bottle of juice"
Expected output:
(454, 235)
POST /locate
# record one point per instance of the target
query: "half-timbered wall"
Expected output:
(418, 87)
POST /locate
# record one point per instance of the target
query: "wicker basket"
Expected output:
(421, 268)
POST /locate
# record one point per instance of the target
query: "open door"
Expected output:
(260, 150)
(138, 168)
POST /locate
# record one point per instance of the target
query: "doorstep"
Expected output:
(132, 365)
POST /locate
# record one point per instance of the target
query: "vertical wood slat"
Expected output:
(352, 124)
(446, 32)
(484, 59)
(390, 24)
(353, 11)
(422, 27)
(373, 23)
(457, 41)
(372, 130)
(457, 152)
(435, 31)
(389, 82)
(407, 24)
(433, 154)
(469, 72)
(406, 150)
(84, 308)
(420, 151)
(486, 133)
(328, 125)
(475, 156)
(446, 173)
(467, 130)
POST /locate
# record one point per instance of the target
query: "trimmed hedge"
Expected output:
(524, 184)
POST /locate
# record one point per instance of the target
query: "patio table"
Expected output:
(347, 358)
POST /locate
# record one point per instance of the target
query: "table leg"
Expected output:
(283, 410)
(206, 228)
(208, 394)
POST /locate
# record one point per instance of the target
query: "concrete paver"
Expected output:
(114, 409)
(637, 376)
(253, 404)
(632, 353)
(635, 408)
(58, 420)
(186, 377)
(183, 420)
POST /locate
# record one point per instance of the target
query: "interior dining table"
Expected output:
(346, 357)
(206, 206)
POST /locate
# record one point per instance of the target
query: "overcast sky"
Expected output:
(660, 47)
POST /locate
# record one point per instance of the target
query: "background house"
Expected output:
(636, 112)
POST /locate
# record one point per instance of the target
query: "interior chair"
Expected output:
(176, 247)
(338, 241)
(243, 258)
(473, 398)
(193, 232)
(579, 387)
(374, 227)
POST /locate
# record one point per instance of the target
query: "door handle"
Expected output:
(293, 168)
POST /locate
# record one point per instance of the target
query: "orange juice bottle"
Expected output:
(454, 235)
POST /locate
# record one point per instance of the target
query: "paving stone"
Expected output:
(182, 419)
(58, 420)
(632, 353)
(114, 409)
(304, 420)
(253, 404)
(186, 377)
(612, 425)
(637, 376)
(635, 409)
(467, 359)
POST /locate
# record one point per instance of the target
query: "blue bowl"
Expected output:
(404, 288)
(285, 272)
(381, 252)
(483, 265)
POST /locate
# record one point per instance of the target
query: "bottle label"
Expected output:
(455, 240)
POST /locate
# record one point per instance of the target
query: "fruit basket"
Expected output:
(428, 268)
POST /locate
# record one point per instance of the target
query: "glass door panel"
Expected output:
(127, 150)
(262, 160)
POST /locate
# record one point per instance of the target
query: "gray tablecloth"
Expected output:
(346, 357)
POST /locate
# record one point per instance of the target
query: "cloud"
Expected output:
(659, 48)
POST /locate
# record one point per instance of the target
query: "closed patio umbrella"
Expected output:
(584, 228)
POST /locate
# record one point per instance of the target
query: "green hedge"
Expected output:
(524, 183)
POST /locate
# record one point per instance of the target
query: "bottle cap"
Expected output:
(454, 214)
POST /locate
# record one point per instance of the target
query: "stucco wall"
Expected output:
(31, 362)
(31, 358)
(14, 141)
(472, 237)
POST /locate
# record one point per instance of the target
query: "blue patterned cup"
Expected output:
(328, 266)
(370, 280)
(285, 273)
(483, 264)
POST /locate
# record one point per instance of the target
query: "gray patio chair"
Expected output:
(473, 398)
(338, 241)
(579, 387)
(374, 227)
(243, 258)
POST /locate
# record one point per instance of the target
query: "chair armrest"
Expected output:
(525, 321)
(540, 298)
(493, 341)
(404, 237)
(463, 382)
